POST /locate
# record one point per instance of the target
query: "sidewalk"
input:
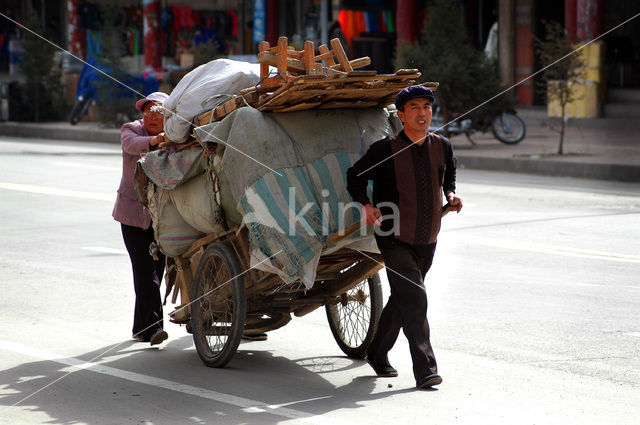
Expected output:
(83, 131)
(603, 148)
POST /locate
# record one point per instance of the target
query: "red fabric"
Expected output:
(352, 23)
(234, 22)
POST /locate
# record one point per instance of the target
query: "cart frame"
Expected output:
(224, 298)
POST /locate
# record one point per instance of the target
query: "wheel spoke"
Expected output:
(217, 330)
(354, 318)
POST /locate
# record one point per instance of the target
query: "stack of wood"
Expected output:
(305, 80)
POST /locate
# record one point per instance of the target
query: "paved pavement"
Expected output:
(603, 148)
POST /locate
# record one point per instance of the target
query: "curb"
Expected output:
(598, 171)
(52, 131)
(536, 166)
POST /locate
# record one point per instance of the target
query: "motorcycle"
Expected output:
(90, 78)
(507, 127)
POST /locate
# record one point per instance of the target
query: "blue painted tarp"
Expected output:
(284, 176)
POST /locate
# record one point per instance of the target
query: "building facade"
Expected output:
(158, 33)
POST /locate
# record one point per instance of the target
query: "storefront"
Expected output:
(166, 34)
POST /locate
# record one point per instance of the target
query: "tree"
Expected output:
(443, 53)
(42, 73)
(561, 77)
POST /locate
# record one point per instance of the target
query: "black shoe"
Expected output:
(158, 337)
(384, 370)
(429, 381)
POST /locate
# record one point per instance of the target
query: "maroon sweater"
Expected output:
(410, 176)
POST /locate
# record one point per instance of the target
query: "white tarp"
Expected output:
(202, 89)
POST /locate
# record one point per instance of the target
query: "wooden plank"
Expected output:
(324, 56)
(431, 85)
(362, 73)
(341, 55)
(284, 87)
(251, 96)
(273, 60)
(309, 57)
(328, 55)
(364, 78)
(334, 72)
(272, 101)
(299, 107)
(282, 59)
(292, 53)
(264, 68)
(227, 108)
(351, 278)
(205, 118)
(347, 91)
(393, 85)
(269, 281)
(407, 71)
(292, 96)
(220, 111)
(272, 83)
(268, 97)
(356, 63)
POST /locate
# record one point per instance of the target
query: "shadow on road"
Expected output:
(133, 383)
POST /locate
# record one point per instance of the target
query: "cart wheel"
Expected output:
(219, 308)
(353, 321)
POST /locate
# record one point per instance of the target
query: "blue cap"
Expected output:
(412, 92)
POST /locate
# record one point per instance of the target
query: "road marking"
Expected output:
(554, 250)
(637, 334)
(93, 167)
(246, 404)
(43, 190)
(105, 250)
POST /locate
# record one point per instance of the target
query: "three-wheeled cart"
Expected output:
(229, 298)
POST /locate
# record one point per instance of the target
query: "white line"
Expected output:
(105, 250)
(93, 167)
(637, 334)
(43, 190)
(554, 250)
(246, 404)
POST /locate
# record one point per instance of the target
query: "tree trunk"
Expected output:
(562, 124)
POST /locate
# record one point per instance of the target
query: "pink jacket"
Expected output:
(135, 142)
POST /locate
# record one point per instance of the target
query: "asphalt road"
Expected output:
(534, 308)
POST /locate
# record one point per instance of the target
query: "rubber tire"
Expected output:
(79, 110)
(225, 257)
(521, 129)
(357, 350)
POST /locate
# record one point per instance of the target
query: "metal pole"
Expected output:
(324, 25)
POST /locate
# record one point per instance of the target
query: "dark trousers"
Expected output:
(407, 266)
(147, 275)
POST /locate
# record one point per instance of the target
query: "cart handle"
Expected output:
(349, 230)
